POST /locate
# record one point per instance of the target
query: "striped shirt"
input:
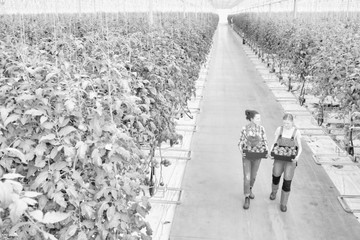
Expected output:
(252, 135)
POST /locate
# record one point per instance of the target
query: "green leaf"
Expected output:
(89, 224)
(37, 215)
(34, 112)
(51, 75)
(27, 145)
(71, 191)
(13, 152)
(11, 118)
(53, 153)
(16, 186)
(82, 149)
(40, 162)
(12, 232)
(124, 225)
(54, 217)
(66, 130)
(40, 149)
(40, 179)
(47, 125)
(43, 200)
(17, 209)
(123, 152)
(141, 211)
(59, 199)
(152, 90)
(71, 231)
(47, 138)
(58, 165)
(87, 211)
(82, 236)
(171, 83)
(6, 191)
(70, 105)
(96, 126)
(95, 155)
(145, 200)
(25, 97)
(114, 221)
(29, 201)
(4, 113)
(104, 206)
(108, 146)
(12, 176)
(31, 194)
(69, 151)
(129, 117)
(77, 177)
(110, 212)
(43, 119)
(49, 236)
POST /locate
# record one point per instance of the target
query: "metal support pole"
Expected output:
(79, 7)
(184, 9)
(270, 9)
(294, 9)
(151, 12)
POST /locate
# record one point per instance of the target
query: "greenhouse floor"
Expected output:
(212, 186)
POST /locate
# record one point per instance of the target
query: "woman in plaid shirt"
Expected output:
(252, 135)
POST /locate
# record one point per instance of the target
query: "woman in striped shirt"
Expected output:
(252, 135)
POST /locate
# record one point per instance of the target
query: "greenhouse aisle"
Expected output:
(211, 204)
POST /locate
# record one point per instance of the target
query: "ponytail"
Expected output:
(250, 114)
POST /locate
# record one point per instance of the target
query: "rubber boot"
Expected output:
(252, 196)
(274, 189)
(284, 200)
(247, 203)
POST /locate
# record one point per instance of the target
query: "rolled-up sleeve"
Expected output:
(242, 137)
(263, 136)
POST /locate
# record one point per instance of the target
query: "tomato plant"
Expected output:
(319, 51)
(80, 96)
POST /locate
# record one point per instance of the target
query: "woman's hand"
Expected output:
(240, 149)
(296, 159)
(268, 152)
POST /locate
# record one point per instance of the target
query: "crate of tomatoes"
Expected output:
(255, 152)
(284, 153)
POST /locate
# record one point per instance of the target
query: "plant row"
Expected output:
(313, 50)
(80, 95)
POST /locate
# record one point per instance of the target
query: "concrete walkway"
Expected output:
(212, 198)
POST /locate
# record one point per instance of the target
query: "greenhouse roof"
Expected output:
(224, 4)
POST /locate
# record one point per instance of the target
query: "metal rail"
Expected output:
(346, 206)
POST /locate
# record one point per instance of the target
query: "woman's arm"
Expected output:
(298, 140)
(277, 132)
(264, 138)
(242, 139)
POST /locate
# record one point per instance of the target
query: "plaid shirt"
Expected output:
(253, 131)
